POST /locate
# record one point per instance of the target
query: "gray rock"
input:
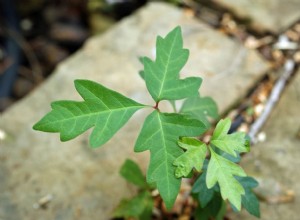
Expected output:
(265, 15)
(275, 162)
(84, 182)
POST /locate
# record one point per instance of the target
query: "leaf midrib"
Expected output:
(166, 154)
(108, 111)
(222, 173)
(166, 68)
(228, 186)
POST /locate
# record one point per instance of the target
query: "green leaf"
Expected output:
(147, 213)
(142, 75)
(162, 75)
(213, 210)
(249, 200)
(204, 194)
(102, 108)
(230, 143)
(247, 182)
(251, 203)
(222, 171)
(160, 134)
(193, 157)
(139, 207)
(133, 174)
(200, 108)
(222, 128)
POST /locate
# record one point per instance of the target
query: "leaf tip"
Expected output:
(177, 29)
(237, 206)
(36, 126)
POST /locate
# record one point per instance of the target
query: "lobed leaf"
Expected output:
(160, 134)
(133, 174)
(104, 109)
(222, 171)
(162, 75)
(193, 157)
(200, 108)
(229, 143)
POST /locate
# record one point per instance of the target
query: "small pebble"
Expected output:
(258, 109)
(297, 57)
(261, 137)
(2, 135)
(43, 202)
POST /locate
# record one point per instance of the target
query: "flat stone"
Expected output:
(275, 162)
(265, 15)
(84, 182)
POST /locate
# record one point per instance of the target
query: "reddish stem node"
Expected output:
(156, 105)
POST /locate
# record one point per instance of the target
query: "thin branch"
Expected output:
(274, 97)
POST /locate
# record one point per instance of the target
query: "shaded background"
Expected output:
(37, 34)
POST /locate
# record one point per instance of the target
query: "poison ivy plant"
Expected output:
(159, 135)
(171, 138)
(220, 170)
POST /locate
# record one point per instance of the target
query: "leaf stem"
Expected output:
(156, 105)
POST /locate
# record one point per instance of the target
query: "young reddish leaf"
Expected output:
(104, 109)
(162, 75)
(160, 134)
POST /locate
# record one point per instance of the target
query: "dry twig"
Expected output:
(275, 94)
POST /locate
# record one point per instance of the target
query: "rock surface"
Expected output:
(84, 182)
(275, 162)
(265, 15)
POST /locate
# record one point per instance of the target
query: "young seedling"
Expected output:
(175, 151)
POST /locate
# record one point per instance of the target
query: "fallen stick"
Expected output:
(274, 97)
